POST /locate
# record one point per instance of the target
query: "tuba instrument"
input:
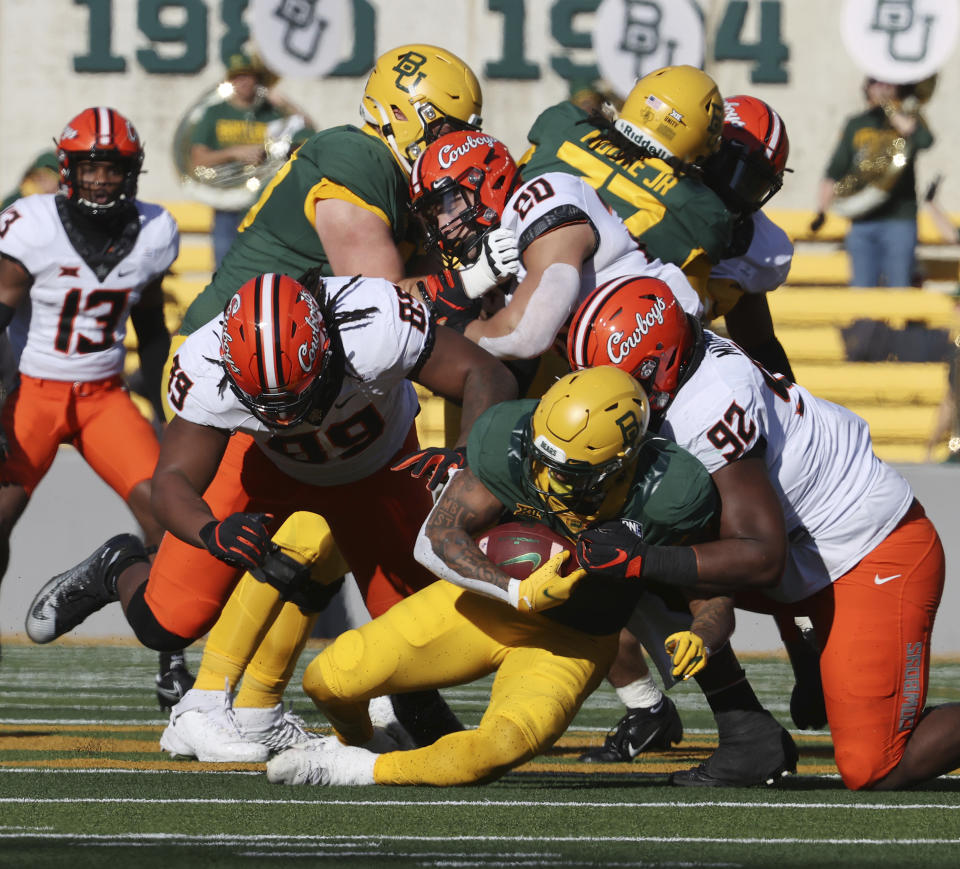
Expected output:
(232, 186)
(880, 163)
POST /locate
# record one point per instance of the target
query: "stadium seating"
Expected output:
(898, 399)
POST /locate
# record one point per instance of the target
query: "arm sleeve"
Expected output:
(548, 308)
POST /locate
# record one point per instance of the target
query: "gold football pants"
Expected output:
(443, 636)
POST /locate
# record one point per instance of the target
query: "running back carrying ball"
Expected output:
(519, 548)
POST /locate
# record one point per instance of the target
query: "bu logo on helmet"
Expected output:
(409, 65)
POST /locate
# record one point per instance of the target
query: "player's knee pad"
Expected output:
(307, 538)
(861, 766)
(148, 630)
(350, 668)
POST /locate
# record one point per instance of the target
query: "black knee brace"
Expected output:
(148, 630)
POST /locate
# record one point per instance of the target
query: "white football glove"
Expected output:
(498, 261)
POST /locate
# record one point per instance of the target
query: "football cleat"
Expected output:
(325, 761)
(274, 727)
(655, 729)
(425, 716)
(70, 597)
(203, 725)
(754, 750)
(382, 717)
(173, 680)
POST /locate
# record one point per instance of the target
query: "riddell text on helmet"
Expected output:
(618, 349)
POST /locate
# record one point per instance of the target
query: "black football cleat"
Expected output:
(638, 731)
(754, 751)
(425, 715)
(70, 597)
(173, 680)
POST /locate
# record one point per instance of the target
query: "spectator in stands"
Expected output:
(236, 131)
(874, 163)
(41, 176)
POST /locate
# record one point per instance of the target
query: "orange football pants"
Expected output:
(874, 625)
(374, 522)
(97, 417)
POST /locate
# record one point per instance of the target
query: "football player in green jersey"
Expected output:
(644, 164)
(340, 204)
(579, 454)
(666, 166)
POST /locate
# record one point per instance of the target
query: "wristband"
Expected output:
(672, 565)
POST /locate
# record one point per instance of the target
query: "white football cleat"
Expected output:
(382, 717)
(324, 761)
(273, 727)
(203, 725)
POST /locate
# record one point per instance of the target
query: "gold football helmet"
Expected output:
(675, 111)
(584, 440)
(414, 94)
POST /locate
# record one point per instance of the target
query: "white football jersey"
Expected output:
(838, 498)
(75, 323)
(558, 199)
(765, 265)
(367, 422)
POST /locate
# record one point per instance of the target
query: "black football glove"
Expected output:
(614, 548)
(818, 222)
(448, 300)
(437, 462)
(241, 540)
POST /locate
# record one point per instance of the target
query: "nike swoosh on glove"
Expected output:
(436, 462)
(614, 548)
(545, 588)
(240, 540)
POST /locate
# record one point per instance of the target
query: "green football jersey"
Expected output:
(674, 218)
(278, 233)
(672, 497)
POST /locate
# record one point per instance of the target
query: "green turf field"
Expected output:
(84, 784)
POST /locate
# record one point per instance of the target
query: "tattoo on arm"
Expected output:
(465, 508)
(713, 620)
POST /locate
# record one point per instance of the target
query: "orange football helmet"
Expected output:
(99, 134)
(459, 187)
(275, 350)
(637, 325)
(749, 165)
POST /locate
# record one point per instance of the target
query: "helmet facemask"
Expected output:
(451, 218)
(582, 443)
(741, 177)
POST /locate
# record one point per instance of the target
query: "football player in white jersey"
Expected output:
(745, 172)
(465, 185)
(74, 266)
(283, 403)
(809, 515)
